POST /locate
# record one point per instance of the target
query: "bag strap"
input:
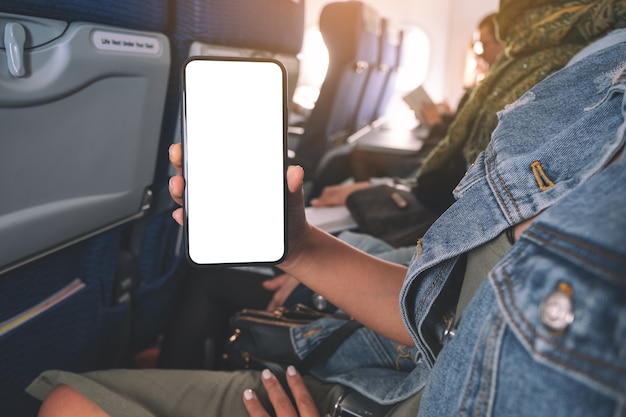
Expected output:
(328, 345)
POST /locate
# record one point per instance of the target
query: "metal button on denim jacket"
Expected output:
(547, 143)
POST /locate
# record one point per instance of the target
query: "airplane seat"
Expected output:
(335, 166)
(228, 28)
(58, 313)
(235, 28)
(150, 15)
(156, 258)
(375, 83)
(82, 93)
(350, 30)
(391, 58)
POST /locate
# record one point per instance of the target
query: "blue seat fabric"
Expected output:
(350, 31)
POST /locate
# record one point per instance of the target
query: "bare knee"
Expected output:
(64, 401)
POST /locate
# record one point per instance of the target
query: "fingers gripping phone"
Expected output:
(234, 160)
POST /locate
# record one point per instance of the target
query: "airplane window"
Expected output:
(412, 72)
(314, 63)
(416, 58)
(313, 67)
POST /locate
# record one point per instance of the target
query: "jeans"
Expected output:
(382, 370)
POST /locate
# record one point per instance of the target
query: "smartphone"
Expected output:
(234, 160)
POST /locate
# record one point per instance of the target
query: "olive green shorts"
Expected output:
(181, 393)
(178, 393)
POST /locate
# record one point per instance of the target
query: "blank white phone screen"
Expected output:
(234, 161)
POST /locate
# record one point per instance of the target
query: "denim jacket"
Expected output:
(550, 141)
(545, 333)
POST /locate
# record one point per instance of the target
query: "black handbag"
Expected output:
(391, 214)
(261, 339)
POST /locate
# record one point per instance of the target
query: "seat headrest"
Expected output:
(271, 25)
(149, 15)
(348, 29)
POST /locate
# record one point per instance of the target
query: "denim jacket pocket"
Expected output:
(566, 302)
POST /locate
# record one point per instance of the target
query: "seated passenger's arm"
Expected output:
(362, 285)
(336, 195)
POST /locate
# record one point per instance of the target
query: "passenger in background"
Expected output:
(487, 50)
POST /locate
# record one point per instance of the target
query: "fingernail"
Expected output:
(248, 394)
(291, 370)
(169, 183)
(266, 374)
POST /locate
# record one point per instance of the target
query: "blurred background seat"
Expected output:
(390, 59)
(350, 31)
(371, 106)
